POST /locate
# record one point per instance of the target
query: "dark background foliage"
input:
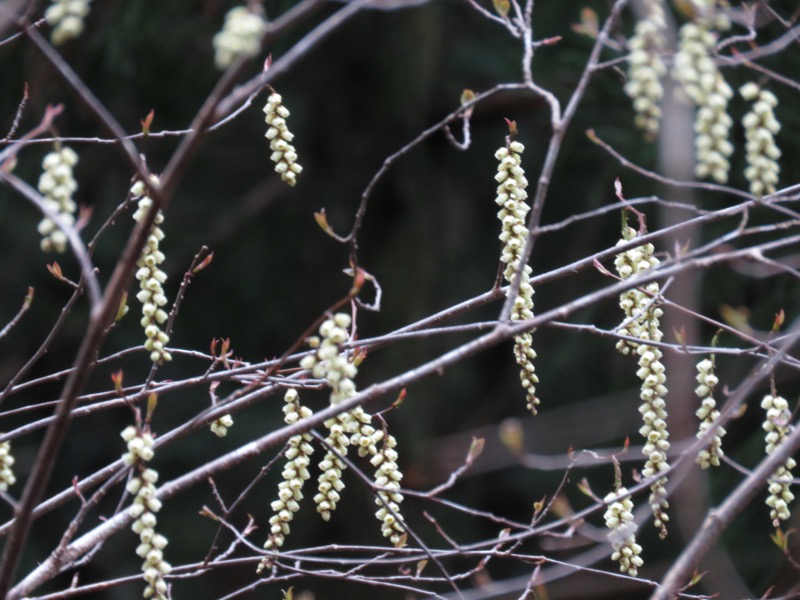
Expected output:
(430, 237)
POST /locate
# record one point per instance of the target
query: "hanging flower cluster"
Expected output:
(388, 476)
(646, 68)
(760, 128)
(642, 322)
(144, 508)
(703, 83)
(240, 36)
(57, 184)
(708, 413)
(295, 473)
(777, 425)
(619, 519)
(151, 277)
(333, 365)
(7, 477)
(352, 428)
(66, 18)
(280, 140)
(511, 197)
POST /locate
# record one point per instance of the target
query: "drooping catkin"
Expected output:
(777, 424)
(280, 139)
(142, 486)
(511, 197)
(622, 534)
(151, 277)
(702, 81)
(295, 473)
(642, 316)
(352, 428)
(57, 184)
(646, 67)
(708, 413)
(760, 128)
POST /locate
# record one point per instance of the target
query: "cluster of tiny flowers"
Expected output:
(511, 196)
(388, 477)
(66, 17)
(143, 510)
(352, 428)
(150, 277)
(295, 473)
(642, 318)
(760, 127)
(778, 428)
(7, 477)
(280, 140)
(57, 185)
(708, 413)
(330, 363)
(240, 36)
(646, 68)
(219, 427)
(641, 313)
(619, 519)
(703, 83)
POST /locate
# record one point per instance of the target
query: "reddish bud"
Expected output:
(55, 271)
(147, 122)
(512, 127)
(204, 263)
(116, 379)
(780, 317)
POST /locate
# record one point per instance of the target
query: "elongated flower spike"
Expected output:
(295, 473)
(708, 413)
(151, 278)
(280, 140)
(642, 322)
(777, 424)
(646, 68)
(7, 477)
(760, 128)
(704, 84)
(619, 519)
(57, 184)
(511, 197)
(142, 486)
(352, 428)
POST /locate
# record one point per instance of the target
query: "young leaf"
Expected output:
(152, 403)
(502, 7)
(780, 317)
(475, 449)
(322, 221)
(421, 566)
(589, 23)
(122, 309)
